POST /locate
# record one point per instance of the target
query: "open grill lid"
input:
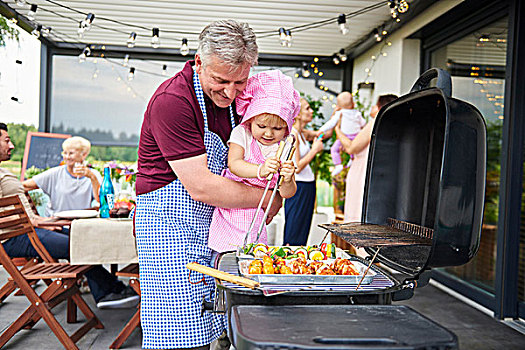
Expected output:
(426, 174)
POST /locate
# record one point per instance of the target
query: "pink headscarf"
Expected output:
(269, 92)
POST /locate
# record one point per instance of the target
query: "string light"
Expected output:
(282, 36)
(85, 53)
(288, 37)
(376, 35)
(393, 8)
(81, 30)
(164, 70)
(132, 39)
(155, 40)
(184, 49)
(306, 72)
(402, 7)
(342, 55)
(46, 31)
(341, 21)
(32, 12)
(131, 73)
(125, 62)
(37, 31)
(85, 24)
(335, 59)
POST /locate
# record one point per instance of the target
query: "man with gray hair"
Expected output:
(182, 152)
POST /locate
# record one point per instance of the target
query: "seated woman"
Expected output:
(72, 185)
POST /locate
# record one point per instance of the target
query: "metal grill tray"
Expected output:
(371, 235)
(339, 253)
(310, 279)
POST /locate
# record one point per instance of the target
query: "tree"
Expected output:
(6, 31)
(18, 135)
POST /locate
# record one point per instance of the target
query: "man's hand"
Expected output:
(51, 223)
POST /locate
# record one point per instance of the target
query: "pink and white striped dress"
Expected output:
(229, 226)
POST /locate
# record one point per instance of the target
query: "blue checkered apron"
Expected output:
(172, 230)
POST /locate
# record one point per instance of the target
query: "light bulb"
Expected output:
(288, 38)
(32, 12)
(335, 59)
(46, 31)
(155, 40)
(81, 30)
(403, 6)
(282, 36)
(86, 52)
(393, 13)
(86, 23)
(131, 40)
(21, 3)
(341, 22)
(164, 70)
(305, 73)
(131, 73)
(37, 31)
(342, 55)
(184, 49)
(126, 61)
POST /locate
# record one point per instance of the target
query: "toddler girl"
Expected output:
(268, 105)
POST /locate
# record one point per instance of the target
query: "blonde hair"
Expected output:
(272, 119)
(77, 142)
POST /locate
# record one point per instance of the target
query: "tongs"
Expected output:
(286, 148)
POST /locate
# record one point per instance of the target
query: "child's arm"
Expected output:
(288, 186)
(331, 123)
(242, 168)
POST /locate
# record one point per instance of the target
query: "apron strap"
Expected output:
(200, 98)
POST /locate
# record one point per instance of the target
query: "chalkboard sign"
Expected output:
(43, 150)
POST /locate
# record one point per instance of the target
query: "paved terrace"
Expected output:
(475, 329)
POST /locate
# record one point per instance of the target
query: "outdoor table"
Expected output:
(102, 241)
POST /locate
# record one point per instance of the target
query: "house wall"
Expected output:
(399, 69)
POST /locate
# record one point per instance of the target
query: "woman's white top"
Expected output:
(306, 175)
(65, 191)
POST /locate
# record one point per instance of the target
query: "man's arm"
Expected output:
(218, 191)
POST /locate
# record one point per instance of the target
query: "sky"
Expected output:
(20, 80)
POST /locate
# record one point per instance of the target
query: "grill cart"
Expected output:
(423, 206)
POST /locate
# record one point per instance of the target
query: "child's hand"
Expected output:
(270, 166)
(287, 171)
(317, 133)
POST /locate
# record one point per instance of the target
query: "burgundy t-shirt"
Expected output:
(173, 129)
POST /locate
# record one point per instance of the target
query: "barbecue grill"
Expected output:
(422, 208)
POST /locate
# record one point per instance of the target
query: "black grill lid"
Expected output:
(426, 167)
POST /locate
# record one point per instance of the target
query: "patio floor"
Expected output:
(475, 329)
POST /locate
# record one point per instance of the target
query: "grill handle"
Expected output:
(444, 81)
(242, 281)
(355, 341)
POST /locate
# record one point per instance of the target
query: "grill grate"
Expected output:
(396, 233)
(411, 228)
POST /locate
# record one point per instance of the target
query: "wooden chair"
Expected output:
(131, 271)
(15, 222)
(24, 263)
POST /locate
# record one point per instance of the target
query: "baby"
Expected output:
(351, 123)
(268, 104)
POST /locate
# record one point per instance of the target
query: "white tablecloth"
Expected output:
(102, 241)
